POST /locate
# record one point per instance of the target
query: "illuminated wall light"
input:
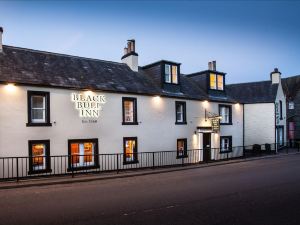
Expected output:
(10, 87)
(237, 105)
(205, 104)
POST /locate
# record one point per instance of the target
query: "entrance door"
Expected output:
(206, 147)
(280, 136)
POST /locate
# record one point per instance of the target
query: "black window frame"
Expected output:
(29, 109)
(96, 154)
(185, 155)
(135, 116)
(280, 109)
(47, 157)
(216, 74)
(230, 144)
(230, 113)
(164, 73)
(135, 153)
(184, 112)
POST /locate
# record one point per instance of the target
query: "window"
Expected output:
(83, 153)
(181, 148)
(291, 105)
(171, 74)
(292, 130)
(280, 108)
(38, 108)
(130, 149)
(225, 144)
(129, 111)
(225, 112)
(180, 108)
(216, 82)
(39, 156)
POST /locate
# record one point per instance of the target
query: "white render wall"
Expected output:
(259, 123)
(281, 97)
(156, 116)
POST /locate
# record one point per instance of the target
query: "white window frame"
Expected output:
(33, 120)
(81, 155)
(225, 114)
(168, 75)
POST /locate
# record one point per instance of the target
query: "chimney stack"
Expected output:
(212, 65)
(130, 57)
(275, 76)
(1, 46)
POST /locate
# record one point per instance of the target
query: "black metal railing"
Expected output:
(15, 168)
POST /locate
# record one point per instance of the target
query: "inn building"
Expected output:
(61, 105)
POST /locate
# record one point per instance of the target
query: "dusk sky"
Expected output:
(246, 38)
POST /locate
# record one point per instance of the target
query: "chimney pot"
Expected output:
(130, 56)
(214, 65)
(209, 65)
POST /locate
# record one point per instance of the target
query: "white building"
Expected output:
(56, 105)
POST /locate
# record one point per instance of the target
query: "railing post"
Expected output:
(72, 170)
(182, 161)
(117, 163)
(17, 169)
(153, 160)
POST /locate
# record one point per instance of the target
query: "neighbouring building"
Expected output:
(61, 105)
(291, 86)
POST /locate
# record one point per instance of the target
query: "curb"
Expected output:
(39, 183)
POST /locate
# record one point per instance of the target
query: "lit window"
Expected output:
(220, 82)
(39, 153)
(167, 73)
(83, 153)
(213, 84)
(181, 148)
(291, 105)
(225, 143)
(130, 150)
(225, 113)
(129, 111)
(180, 108)
(174, 75)
(38, 108)
(292, 130)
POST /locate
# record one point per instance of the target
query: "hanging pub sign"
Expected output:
(88, 104)
(215, 124)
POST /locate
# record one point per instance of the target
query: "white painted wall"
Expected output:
(281, 122)
(156, 132)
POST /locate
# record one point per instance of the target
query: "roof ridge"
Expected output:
(60, 54)
(251, 82)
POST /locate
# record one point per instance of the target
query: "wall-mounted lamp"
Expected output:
(10, 87)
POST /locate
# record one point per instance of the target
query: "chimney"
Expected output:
(275, 76)
(1, 32)
(210, 65)
(214, 65)
(130, 57)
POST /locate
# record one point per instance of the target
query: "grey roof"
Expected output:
(254, 92)
(291, 86)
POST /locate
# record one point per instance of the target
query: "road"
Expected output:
(265, 192)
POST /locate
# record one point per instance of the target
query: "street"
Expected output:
(265, 191)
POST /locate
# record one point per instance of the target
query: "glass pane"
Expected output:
(129, 150)
(180, 147)
(128, 109)
(38, 114)
(179, 113)
(167, 74)
(213, 84)
(88, 152)
(75, 153)
(38, 102)
(38, 153)
(220, 82)
(174, 75)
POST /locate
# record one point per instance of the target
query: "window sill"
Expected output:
(38, 124)
(182, 157)
(130, 123)
(131, 162)
(83, 168)
(32, 172)
(171, 83)
(225, 123)
(180, 123)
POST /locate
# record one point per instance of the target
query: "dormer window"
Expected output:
(216, 82)
(171, 75)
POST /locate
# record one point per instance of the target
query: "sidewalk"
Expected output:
(56, 180)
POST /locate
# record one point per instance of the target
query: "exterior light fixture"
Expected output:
(10, 87)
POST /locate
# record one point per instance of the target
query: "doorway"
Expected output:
(206, 147)
(280, 136)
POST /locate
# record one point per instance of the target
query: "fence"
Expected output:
(15, 168)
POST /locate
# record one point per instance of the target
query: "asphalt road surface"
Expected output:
(265, 192)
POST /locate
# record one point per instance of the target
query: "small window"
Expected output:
(39, 156)
(130, 149)
(38, 108)
(216, 82)
(180, 108)
(213, 82)
(291, 105)
(225, 112)
(83, 153)
(225, 144)
(220, 82)
(129, 111)
(280, 108)
(181, 148)
(171, 74)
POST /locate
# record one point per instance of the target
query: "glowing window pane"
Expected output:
(38, 156)
(128, 110)
(82, 154)
(220, 82)
(130, 149)
(213, 84)
(174, 75)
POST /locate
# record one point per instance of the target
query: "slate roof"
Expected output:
(291, 86)
(254, 92)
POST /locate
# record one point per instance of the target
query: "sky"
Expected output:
(248, 39)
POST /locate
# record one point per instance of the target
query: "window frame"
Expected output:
(185, 154)
(216, 81)
(230, 114)
(230, 144)
(183, 112)
(135, 153)
(280, 109)
(46, 95)
(170, 65)
(96, 154)
(47, 157)
(135, 119)
(291, 103)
